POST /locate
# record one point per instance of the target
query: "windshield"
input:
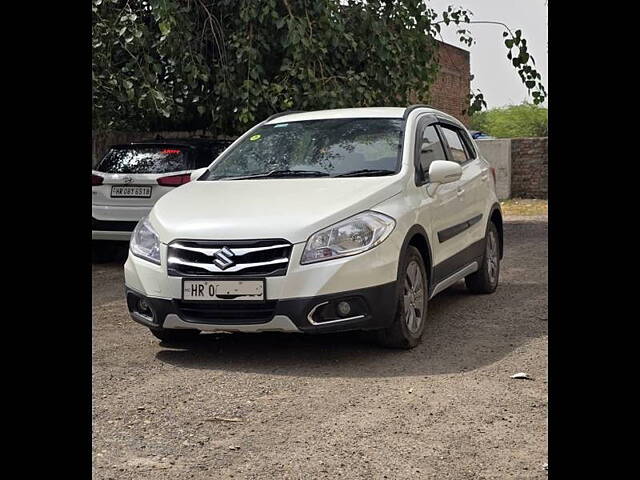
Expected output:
(338, 147)
(143, 159)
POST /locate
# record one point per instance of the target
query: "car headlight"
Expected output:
(354, 235)
(144, 242)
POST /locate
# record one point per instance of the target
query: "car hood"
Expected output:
(291, 209)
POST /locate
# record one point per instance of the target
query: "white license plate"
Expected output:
(131, 192)
(207, 290)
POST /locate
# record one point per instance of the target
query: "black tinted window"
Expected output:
(455, 144)
(142, 159)
(207, 155)
(430, 148)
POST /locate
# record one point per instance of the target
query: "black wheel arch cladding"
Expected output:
(495, 217)
(417, 237)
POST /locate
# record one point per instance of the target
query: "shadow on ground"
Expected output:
(464, 332)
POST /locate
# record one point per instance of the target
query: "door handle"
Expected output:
(460, 192)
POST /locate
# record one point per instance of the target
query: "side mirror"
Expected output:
(442, 171)
(195, 174)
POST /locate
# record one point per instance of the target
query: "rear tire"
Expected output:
(175, 335)
(486, 279)
(411, 313)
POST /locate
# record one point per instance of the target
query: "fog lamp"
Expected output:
(344, 308)
(143, 307)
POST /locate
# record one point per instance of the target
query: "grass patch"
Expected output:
(524, 206)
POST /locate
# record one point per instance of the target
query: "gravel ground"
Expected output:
(256, 406)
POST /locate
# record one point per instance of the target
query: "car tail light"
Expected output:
(96, 180)
(174, 180)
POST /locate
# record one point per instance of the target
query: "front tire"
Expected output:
(486, 279)
(411, 313)
(174, 335)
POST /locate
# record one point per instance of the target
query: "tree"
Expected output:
(222, 65)
(524, 120)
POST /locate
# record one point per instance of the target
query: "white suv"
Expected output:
(317, 222)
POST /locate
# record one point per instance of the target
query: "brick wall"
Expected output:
(450, 92)
(529, 167)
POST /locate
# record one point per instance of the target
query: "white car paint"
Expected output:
(204, 210)
(106, 208)
(295, 208)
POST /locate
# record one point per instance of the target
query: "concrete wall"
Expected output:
(521, 166)
(498, 153)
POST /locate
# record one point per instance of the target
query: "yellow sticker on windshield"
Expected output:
(255, 137)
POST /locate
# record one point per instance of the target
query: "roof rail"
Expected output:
(411, 108)
(281, 114)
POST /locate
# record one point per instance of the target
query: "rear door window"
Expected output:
(471, 151)
(146, 159)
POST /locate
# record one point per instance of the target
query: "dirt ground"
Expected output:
(277, 406)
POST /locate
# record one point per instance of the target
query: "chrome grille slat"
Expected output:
(236, 251)
(263, 258)
(235, 268)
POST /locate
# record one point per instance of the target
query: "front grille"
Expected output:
(227, 313)
(112, 226)
(265, 258)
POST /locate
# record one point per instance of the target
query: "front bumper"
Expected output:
(368, 279)
(376, 308)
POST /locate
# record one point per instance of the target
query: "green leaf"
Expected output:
(324, 55)
(165, 28)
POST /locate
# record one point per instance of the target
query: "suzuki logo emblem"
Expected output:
(222, 258)
(127, 179)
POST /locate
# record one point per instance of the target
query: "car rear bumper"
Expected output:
(115, 223)
(117, 236)
(111, 230)
(119, 213)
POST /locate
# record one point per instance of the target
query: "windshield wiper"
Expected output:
(278, 173)
(365, 172)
